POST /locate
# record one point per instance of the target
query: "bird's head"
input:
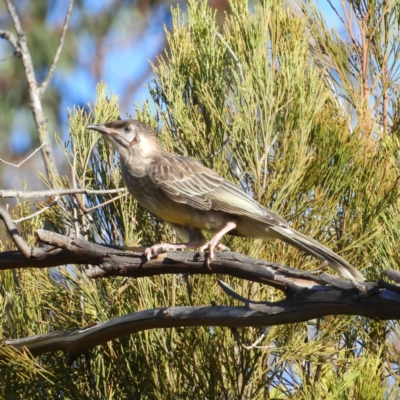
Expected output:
(130, 137)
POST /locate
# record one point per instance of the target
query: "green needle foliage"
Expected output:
(249, 100)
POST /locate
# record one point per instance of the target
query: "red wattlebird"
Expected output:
(192, 198)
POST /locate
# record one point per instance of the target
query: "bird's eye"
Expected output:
(127, 128)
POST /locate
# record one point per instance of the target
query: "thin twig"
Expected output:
(254, 345)
(11, 55)
(11, 39)
(17, 221)
(13, 231)
(55, 192)
(365, 46)
(74, 185)
(21, 46)
(336, 12)
(42, 88)
(23, 161)
(87, 210)
(14, 16)
(224, 143)
(232, 53)
(349, 27)
(81, 206)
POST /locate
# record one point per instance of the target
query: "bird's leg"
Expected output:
(215, 240)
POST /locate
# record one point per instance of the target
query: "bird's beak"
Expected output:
(102, 129)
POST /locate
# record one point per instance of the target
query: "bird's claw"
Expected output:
(210, 246)
(222, 247)
(148, 253)
(154, 251)
(210, 256)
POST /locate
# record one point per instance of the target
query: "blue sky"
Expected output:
(122, 65)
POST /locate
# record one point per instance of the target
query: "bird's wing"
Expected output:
(187, 181)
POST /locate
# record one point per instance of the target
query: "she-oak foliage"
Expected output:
(247, 99)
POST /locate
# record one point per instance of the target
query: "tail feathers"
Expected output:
(319, 251)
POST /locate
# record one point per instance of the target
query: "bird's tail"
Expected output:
(319, 251)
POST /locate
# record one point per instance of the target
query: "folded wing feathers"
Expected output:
(186, 181)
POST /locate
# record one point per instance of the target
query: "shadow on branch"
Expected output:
(307, 296)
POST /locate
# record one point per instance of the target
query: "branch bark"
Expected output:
(111, 261)
(305, 305)
(307, 296)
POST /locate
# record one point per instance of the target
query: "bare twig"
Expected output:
(88, 210)
(11, 39)
(254, 345)
(305, 305)
(42, 88)
(74, 343)
(365, 48)
(224, 143)
(232, 54)
(17, 221)
(76, 196)
(349, 27)
(26, 159)
(307, 297)
(9, 57)
(13, 231)
(58, 194)
(20, 45)
(55, 192)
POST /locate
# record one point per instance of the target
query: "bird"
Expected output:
(193, 198)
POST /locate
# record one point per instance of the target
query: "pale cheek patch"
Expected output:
(146, 147)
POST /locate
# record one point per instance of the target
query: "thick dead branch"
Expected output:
(116, 262)
(109, 261)
(307, 296)
(306, 305)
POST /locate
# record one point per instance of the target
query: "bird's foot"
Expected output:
(214, 242)
(210, 250)
(210, 246)
(222, 247)
(160, 248)
(155, 250)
